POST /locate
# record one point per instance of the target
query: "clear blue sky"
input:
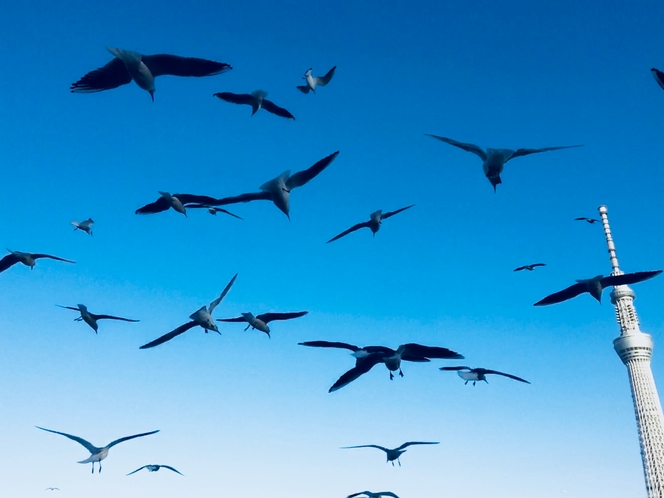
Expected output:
(244, 415)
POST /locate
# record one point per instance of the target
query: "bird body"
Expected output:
(201, 317)
(256, 100)
(375, 220)
(313, 81)
(155, 468)
(91, 318)
(27, 258)
(493, 160)
(594, 286)
(260, 322)
(85, 226)
(392, 454)
(97, 454)
(475, 375)
(143, 69)
(369, 494)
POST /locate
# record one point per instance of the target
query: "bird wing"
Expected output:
(37, 256)
(174, 65)
(384, 216)
(158, 206)
(387, 493)
(525, 152)
(417, 350)
(302, 177)
(235, 320)
(366, 446)
(171, 468)
(455, 368)
(236, 98)
(220, 210)
(68, 307)
(354, 228)
(628, 278)
(521, 268)
(216, 302)
(362, 366)
(405, 445)
(485, 371)
(563, 295)
(467, 147)
(127, 438)
(326, 344)
(167, 337)
(112, 75)
(111, 317)
(7, 261)
(580, 219)
(270, 106)
(269, 317)
(88, 446)
(304, 88)
(324, 80)
(538, 264)
(192, 198)
(141, 468)
(254, 196)
(659, 77)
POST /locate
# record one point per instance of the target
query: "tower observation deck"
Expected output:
(635, 350)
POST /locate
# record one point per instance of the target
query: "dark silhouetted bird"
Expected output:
(256, 100)
(475, 375)
(529, 267)
(155, 468)
(259, 322)
(91, 318)
(376, 219)
(27, 258)
(392, 454)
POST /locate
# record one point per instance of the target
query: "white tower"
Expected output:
(635, 349)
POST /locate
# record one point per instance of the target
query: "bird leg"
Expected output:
(474, 382)
(99, 469)
(93, 467)
(247, 327)
(465, 383)
(391, 378)
(399, 460)
(400, 372)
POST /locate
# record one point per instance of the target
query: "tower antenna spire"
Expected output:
(635, 350)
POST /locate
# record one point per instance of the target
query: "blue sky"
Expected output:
(244, 415)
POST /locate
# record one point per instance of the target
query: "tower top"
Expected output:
(604, 214)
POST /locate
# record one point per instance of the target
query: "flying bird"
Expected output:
(313, 81)
(392, 454)
(202, 318)
(588, 220)
(27, 258)
(52, 489)
(155, 468)
(85, 226)
(494, 159)
(479, 374)
(375, 220)
(179, 202)
(369, 356)
(529, 267)
(256, 100)
(143, 69)
(369, 494)
(214, 210)
(97, 454)
(595, 285)
(278, 190)
(259, 322)
(91, 318)
(659, 77)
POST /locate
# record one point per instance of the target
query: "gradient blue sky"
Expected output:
(244, 415)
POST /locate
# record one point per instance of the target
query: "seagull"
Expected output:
(256, 100)
(27, 258)
(179, 202)
(52, 489)
(155, 468)
(85, 226)
(495, 159)
(369, 494)
(479, 374)
(214, 210)
(659, 77)
(91, 318)
(589, 220)
(595, 285)
(260, 322)
(392, 454)
(373, 224)
(314, 81)
(369, 356)
(278, 190)
(529, 267)
(202, 318)
(143, 69)
(97, 454)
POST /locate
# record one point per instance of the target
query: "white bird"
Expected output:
(155, 468)
(97, 454)
(85, 226)
(314, 81)
(260, 322)
(369, 494)
(494, 159)
(392, 454)
(91, 318)
(278, 190)
(27, 258)
(202, 318)
(375, 221)
(143, 69)
(475, 375)
(256, 100)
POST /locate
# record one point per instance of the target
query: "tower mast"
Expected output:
(635, 350)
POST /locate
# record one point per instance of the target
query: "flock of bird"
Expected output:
(127, 66)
